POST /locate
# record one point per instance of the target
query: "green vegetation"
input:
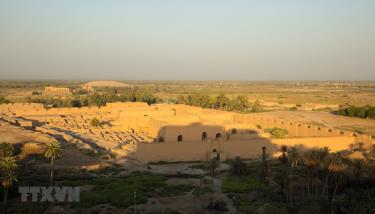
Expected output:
(36, 93)
(97, 99)
(302, 182)
(8, 167)
(3, 100)
(241, 184)
(238, 167)
(239, 103)
(174, 190)
(52, 152)
(121, 192)
(95, 122)
(6, 150)
(277, 132)
(200, 191)
(361, 112)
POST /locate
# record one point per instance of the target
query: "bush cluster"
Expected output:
(355, 111)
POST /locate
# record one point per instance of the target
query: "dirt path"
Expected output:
(217, 190)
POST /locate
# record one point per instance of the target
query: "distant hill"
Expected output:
(101, 84)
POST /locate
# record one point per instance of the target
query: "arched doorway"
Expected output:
(234, 131)
(180, 138)
(218, 135)
(204, 136)
(216, 154)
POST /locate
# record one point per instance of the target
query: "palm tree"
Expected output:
(238, 167)
(311, 160)
(337, 167)
(52, 152)
(284, 169)
(283, 158)
(6, 150)
(265, 172)
(7, 167)
(213, 164)
(358, 168)
(294, 156)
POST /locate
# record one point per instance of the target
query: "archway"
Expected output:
(234, 131)
(204, 136)
(180, 138)
(218, 135)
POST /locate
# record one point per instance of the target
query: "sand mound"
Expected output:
(93, 84)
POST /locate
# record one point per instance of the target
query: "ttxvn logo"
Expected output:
(50, 193)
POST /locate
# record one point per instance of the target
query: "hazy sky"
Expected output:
(188, 39)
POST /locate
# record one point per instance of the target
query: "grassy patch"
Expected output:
(174, 190)
(120, 192)
(241, 184)
(200, 191)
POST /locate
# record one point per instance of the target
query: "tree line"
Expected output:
(97, 99)
(222, 102)
(318, 179)
(358, 111)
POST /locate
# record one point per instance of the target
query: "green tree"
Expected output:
(351, 111)
(240, 103)
(294, 157)
(284, 169)
(238, 167)
(7, 169)
(264, 168)
(6, 150)
(279, 133)
(311, 161)
(181, 99)
(213, 164)
(371, 113)
(362, 112)
(3, 100)
(52, 152)
(222, 102)
(256, 107)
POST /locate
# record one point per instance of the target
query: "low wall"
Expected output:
(200, 151)
(302, 130)
(172, 152)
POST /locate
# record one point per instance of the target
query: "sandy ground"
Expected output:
(72, 158)
(326, 119)
(15, 134)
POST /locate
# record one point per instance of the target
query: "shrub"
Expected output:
(3, 100)
(95, 122)
(241, 184)
(371, 113)
(35, 93)
(279, 133)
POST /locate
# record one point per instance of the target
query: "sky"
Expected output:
(187, 39)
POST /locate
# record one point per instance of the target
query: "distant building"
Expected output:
(56, 90)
